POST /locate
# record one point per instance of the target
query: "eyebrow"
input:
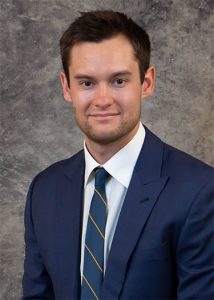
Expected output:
(121, 73)
(115, 74)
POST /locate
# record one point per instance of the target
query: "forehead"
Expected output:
(108, 55)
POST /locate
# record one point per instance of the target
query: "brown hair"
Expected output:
(96, 26)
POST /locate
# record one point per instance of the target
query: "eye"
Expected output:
(119, 82)
(86, 83)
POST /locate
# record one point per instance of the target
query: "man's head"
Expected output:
(106, 78)
(96, 26)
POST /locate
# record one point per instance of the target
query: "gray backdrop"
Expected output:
(37, 126)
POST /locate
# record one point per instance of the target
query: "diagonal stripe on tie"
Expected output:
(93, 268)
(101, 197)
(90, 287)
(92, 255)
(97, 210)
(98, 229)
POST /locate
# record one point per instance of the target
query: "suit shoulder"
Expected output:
(60, 167)
(185, 165)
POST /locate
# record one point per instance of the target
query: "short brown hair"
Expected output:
(96, 26)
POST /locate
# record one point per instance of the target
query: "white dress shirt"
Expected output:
(120, 167)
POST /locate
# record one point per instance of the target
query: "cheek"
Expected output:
(81, 101)
(130, 102)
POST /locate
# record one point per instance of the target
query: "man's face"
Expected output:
(105, 90)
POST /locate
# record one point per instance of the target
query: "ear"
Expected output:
(65, 87)
(149, 82)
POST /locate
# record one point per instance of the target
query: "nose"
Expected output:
(103, 97)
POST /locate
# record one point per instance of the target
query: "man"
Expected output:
(129, 217)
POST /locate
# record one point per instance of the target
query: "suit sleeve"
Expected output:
(36, 281)
(195, 251)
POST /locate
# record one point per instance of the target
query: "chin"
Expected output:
(109, 135)
(105, 138)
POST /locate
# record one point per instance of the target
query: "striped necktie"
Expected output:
(93, 269)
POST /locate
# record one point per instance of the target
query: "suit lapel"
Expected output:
(69, 226)
(145, 186)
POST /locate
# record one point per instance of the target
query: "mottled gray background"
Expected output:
(37, 127)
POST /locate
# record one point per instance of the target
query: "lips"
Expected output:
(103, 115)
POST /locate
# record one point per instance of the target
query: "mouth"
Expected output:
(104, 116)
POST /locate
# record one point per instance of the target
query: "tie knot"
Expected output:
(101, 176)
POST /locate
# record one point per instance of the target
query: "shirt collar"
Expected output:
(115, 166)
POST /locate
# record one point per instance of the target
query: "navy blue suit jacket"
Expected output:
(163, 243)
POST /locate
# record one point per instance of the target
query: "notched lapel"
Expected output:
(143, 192)
(138, 205)
(68, 228)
